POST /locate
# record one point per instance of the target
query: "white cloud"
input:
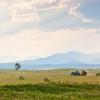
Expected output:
(36, 43)
(74, 11)
(27, 10)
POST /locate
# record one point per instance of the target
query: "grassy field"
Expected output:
(33, 77)
(62, 85)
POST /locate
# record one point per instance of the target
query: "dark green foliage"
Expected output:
(97, 74)
(17, 66)
(50, 91)
(76, 73)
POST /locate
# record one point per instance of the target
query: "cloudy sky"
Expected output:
(30, 29)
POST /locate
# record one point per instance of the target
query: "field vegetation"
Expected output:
(50, 91)
(49, 85)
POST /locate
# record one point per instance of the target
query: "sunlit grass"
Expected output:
(33, 85)
(35, 77)
(50, 91)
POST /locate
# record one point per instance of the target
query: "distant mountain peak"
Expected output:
(69, 59)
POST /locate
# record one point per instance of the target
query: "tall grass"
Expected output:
(50, 91)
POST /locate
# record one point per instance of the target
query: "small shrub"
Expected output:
(84, 73)
(97, 74)
(21, 78)
(47, 80)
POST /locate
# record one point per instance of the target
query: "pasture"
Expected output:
(62, 86)
(11, 77)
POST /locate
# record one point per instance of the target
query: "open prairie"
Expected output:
(11, 77)
(49, 85)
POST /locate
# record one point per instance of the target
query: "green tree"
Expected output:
(17, 66)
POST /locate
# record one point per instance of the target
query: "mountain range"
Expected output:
(61, 60)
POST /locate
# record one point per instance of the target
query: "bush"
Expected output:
(47, 80)
(97, 74)
(84, 73)
(21, 78)
(76, 73)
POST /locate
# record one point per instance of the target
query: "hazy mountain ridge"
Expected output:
(61, 60)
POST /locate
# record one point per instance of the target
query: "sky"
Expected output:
(31, 29)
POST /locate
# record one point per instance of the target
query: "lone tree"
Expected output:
(17, 66)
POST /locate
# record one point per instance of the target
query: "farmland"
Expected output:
(62, 86)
